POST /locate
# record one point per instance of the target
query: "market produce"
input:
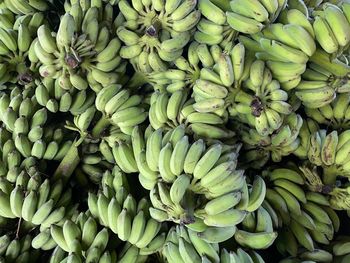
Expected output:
(175, 131)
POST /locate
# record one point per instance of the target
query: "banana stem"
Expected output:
(100, 126)
(67, 166)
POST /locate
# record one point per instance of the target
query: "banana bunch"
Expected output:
(84, 238)
(331, 152)
(320, 84)
(81, 53)
(104, 8)
(154, 33)
(26, 7)
(213, 28)
(186, 69)
(250, 17)
(186, 171)
(170, 110)
(31, 134)
(126, 218)
(184, 245)
(120, 107)
(50, 95)
(335, 115)
(59, 255)
(262, 103)
(214, 87)
(17, 249)
(14, 53)
(286, 48)
(332, 27)
(110, 142)
(36, 202)
(258, 149)
(306, 217)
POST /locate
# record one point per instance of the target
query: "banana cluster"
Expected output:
(17, 34)
(307, 214)
(168, 110)
(17, 249)
(331, 152)
(188, 170)
(259, 149)
(214, 88)
(186, 68)
(335, 115)
(122, 108)
(286, 47)
(50, 95)
(82, 46)
(213, 28)
(262, 103)
(332, 27)
(26, 7)
(119, 211)
(251, 16)
(83, 239)
(31, 135)
(39, 203)
(154, 33)
(184, 245)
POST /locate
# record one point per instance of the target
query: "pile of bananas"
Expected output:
(175, 131)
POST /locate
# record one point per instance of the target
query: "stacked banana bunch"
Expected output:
(83, 51)
(199, 131)
(155, 33)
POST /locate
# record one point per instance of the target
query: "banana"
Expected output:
(328, 150)
(324, 35)
(217, 235)
(186, 23)
(164, 163)
(243, 24)
(212, 12)
(261, 240)
(338, 23)
(302, 38)
(257, 194)
(293, 188)
(226, 72)
(151, 230)
(291, 201)
(124, 225)
(317, 213)
(207, 161)
(202, 247)
(302, 235)
(29, 206)
(137, 228)
(222, 203)
(65, 31)
(251, 8)
(283, 52)
(283, 173)
(230, 217)
(46, 40)
(179, 188)
(16, 201)
(178, 156)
